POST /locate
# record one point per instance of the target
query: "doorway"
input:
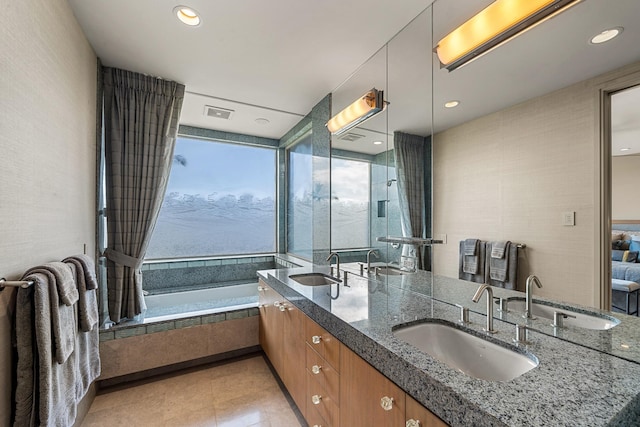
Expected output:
(619, 106)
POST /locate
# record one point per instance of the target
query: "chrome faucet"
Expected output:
(337, 262)
(375, 253)
(476, 298)
(531, 279)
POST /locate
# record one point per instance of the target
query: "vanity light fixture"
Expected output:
(377, 142)
(187, 15)
(496, 24)
(365, 107)
(606, 35)
(451, 104)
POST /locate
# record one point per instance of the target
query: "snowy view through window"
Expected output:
(350, 195)
(220, 200)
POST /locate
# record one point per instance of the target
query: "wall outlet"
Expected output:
(568, 219)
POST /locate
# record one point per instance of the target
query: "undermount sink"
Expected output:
(314, 279)
(472, 355)
(581, 320)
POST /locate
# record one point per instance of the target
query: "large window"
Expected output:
(300, 199)
(350, 201)
(220, 200)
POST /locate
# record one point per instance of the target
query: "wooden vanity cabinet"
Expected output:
(331, 384)
(322, 368)
(271, 325)
(368, 398)
(419, 416)
(282, 339)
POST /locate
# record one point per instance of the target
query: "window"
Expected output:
(350, 200)
(220, 200)
(300, 199)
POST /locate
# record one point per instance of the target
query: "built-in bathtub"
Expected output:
(200, 302)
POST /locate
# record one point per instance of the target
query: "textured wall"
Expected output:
(625, 176)
(47, 147)
(510, 175)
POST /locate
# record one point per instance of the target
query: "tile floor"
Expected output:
(242, 393)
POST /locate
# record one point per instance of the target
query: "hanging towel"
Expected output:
(89, 269)
(88, 341)
(470, 256)
(46, 390)
(498, 249)
(63, 280)
(59, 277)
(86, 282)
(499, 262)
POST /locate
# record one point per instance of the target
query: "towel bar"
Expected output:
(16, 283)
(521, 245)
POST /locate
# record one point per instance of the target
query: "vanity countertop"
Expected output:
(572, 385)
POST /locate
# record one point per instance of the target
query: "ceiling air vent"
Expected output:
(350, 136)
(217, 112)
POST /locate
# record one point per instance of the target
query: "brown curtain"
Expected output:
(141, 121)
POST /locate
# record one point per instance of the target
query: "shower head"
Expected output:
(391, 181)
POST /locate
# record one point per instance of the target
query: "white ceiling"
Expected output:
(277, 59)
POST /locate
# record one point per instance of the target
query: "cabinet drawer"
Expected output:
(320, 401)
(314, 419)
(323, 343)
(323, 373)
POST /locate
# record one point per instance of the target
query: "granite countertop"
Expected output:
(571, 386)
(621, 340)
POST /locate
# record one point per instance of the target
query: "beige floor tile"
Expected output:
(242, 393)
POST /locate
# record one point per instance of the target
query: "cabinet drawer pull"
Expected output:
(316, 369)
(261, 289)
(386, 403)
(282, 307)
(316, 339)
(315, 399)
(276, 304)
(413, 423)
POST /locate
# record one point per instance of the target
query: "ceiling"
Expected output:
(275, 60)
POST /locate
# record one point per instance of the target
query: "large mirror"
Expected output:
(381, 169)
(521, 151)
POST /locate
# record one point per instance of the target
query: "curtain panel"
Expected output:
(409, 153)
(141, 115)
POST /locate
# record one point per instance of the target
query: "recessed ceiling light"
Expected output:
(451, 104)
(606, 35)
(262, 121)
(377, 142)
(625, 149)
(187, 15)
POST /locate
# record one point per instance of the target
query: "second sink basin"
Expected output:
(581, 320)
(472, 355)
(314, 279)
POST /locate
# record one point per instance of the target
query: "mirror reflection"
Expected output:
(514, 151)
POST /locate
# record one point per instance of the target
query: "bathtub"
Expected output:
(200, 302)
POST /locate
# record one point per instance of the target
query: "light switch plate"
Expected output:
(569, 219)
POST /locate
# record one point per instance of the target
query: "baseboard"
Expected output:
(181, 366)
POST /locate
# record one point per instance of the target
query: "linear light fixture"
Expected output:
(365, 107)
(494, 25)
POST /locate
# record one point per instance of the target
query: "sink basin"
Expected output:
(472, 355)
(582, 320)
(314, 279)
